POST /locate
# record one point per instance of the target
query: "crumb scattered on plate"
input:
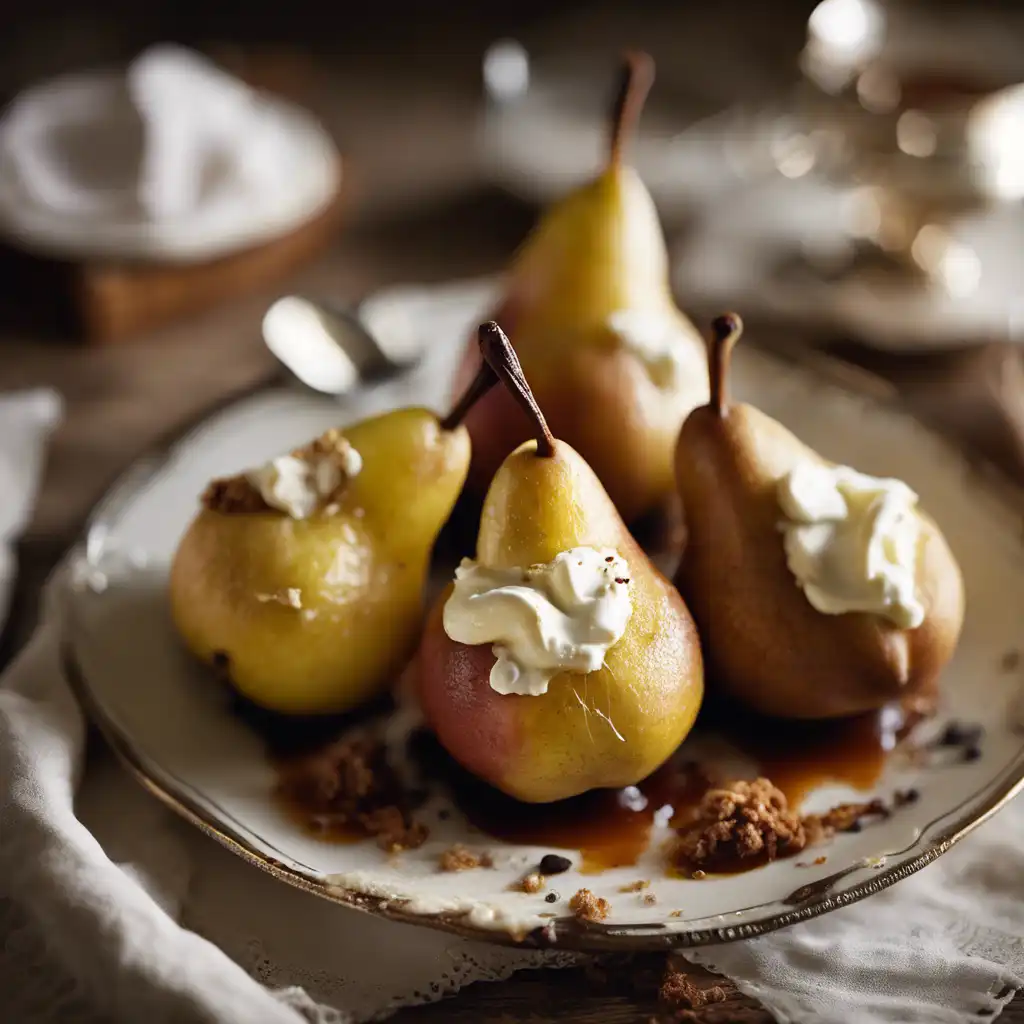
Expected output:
(461, 858)
(638, 886)
(531, 883)
(588, 907)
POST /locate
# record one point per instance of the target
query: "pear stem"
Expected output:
(501, 357)
(484, 380)
(725, 332)
(635, 81)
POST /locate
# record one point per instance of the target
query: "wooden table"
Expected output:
(426, 214)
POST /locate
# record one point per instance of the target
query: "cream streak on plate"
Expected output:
(299, 486)
(560, 616)
(852, 540)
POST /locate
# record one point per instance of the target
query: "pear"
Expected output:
(613, 362)
(765, 643)
(609, 727)
(318, 614)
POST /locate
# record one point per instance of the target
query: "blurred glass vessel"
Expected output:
(918, 114)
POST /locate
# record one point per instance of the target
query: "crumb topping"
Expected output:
(588, 907)
(638, 886)
(739, 821)
(330, 457)
(752, 822)
(680, 991)
(350, 786)
(461, 858)
(232, 495)
(532, 883)
(843, 818)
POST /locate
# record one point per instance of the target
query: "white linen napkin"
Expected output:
(171, 159)
(27, 418)
(113, 906)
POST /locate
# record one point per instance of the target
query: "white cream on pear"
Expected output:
(559, 616)
(300, 486)
(851, 541)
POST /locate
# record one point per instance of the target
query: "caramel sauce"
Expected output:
(801, 756)
(612, 828)
(306, 818)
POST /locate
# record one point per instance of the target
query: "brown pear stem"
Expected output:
(635, 81)
(501, 357)
(484, 380)
(725, 332)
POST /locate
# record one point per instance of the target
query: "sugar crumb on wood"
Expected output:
(680, 991)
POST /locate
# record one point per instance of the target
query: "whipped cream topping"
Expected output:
(654, 338)
(851, 541)
(300, 486)
(560, 616)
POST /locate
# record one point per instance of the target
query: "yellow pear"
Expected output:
(610, 727)
(764, 641)
(318, 613)
(614, 363)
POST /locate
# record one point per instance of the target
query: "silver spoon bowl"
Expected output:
(327, 349)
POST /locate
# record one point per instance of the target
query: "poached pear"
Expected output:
(317, 608)
(766, 641)
(604, 722)
(614, 363)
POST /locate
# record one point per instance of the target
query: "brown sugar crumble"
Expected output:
(531, 883)
(680, 991)
(232, 495)
(751, 823)
(649, 899)
(842, 818)
(740, 821)
(236, 494)
(349, 787)
(588, 907)
(638, 886)
(460, 858)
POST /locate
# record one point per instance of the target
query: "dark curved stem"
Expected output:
(484, 380)
(725, 332)
(635, 81)
(501, 357)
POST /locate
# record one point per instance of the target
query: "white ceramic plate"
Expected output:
(214, 230)
(171, 725)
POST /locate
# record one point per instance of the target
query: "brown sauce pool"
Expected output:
(801, 756)
(612, 828)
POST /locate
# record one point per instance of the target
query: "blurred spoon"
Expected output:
(328, 349)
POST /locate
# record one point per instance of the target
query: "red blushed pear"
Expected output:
(766, 645)
(613, 362)
(606, 728)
